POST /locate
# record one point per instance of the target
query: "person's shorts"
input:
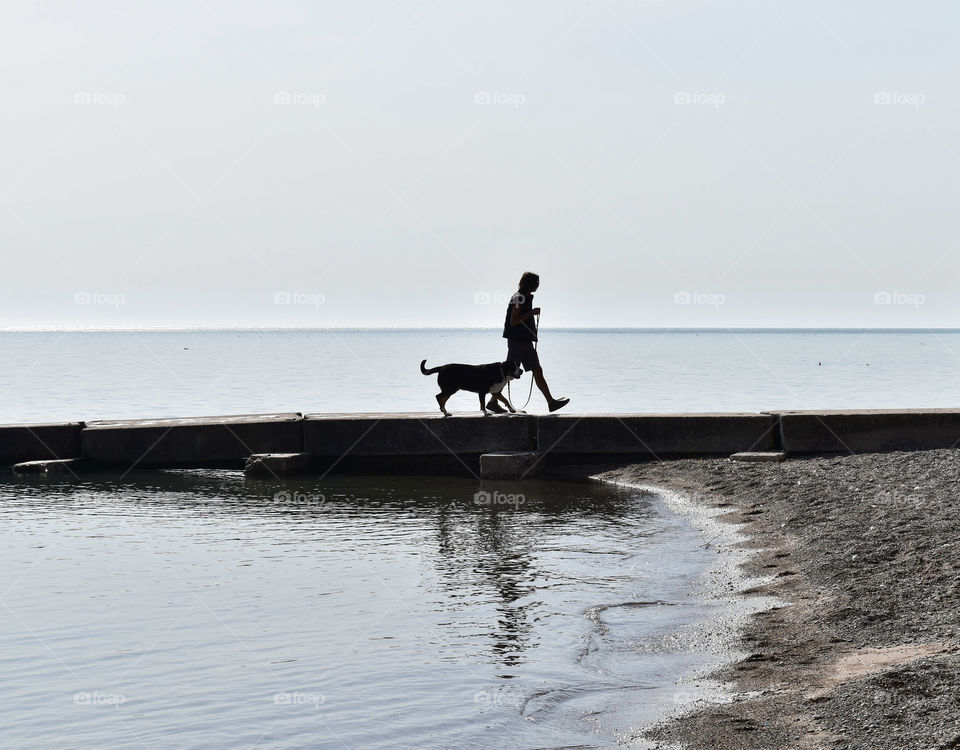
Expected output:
(524, 353)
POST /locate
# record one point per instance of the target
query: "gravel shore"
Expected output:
(865, 551)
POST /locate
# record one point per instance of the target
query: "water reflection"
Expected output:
(421, 596)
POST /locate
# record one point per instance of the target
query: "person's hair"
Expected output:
(529, 281)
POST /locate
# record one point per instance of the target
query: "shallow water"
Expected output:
(55, 376)
(202, 610)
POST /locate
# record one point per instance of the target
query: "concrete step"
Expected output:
(757, 457)
(52, 467)
(276, 464)
(510, 464)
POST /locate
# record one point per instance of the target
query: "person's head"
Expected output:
(529, 282)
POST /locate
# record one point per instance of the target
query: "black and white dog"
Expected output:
(481, 379)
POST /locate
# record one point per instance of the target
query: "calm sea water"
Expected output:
(193, 610)
(85, 376)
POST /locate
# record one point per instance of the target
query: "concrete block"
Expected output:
(276, 464)
(510, 464)
(193, 442)
(34, 442)
(54, 467)
(868, 430)
(373, 436)
(757, 457)
(592, 437)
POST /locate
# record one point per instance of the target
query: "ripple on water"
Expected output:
(188, 609)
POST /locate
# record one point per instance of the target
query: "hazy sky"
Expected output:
(659, 163)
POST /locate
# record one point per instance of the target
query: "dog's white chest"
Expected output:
(496, 388)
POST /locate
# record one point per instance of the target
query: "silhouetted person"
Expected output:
(520, 331)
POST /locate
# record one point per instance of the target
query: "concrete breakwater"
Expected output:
(431, 443)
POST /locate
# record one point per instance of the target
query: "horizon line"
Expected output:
(598, 329)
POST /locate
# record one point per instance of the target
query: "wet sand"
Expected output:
(864, 551)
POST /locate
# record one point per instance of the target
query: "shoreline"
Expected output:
(864, 551)
(722, 587)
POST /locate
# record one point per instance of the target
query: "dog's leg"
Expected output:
(483, 404)
(442, 400)
(506, 402)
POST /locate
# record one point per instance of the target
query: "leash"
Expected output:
(530, 394)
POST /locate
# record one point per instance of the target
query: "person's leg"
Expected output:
(500, 398)
(534, 366)
(493, 404)
(542, 383)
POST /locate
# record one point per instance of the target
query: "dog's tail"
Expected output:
(425, 371)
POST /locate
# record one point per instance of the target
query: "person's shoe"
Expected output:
(495, 407)
(558, 403)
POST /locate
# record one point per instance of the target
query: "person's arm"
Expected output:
(516, 317)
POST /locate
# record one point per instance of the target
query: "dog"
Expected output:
(481, 379)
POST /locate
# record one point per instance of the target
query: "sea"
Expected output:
(88, 375)
(200, 609)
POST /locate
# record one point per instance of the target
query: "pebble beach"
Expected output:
(864, 553)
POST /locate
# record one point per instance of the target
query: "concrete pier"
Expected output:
(868, 430)
(223, 442)
(430, 443)
(37, 442)
(413, 442)
(594, 437)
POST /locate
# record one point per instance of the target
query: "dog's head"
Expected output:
(511, 370)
